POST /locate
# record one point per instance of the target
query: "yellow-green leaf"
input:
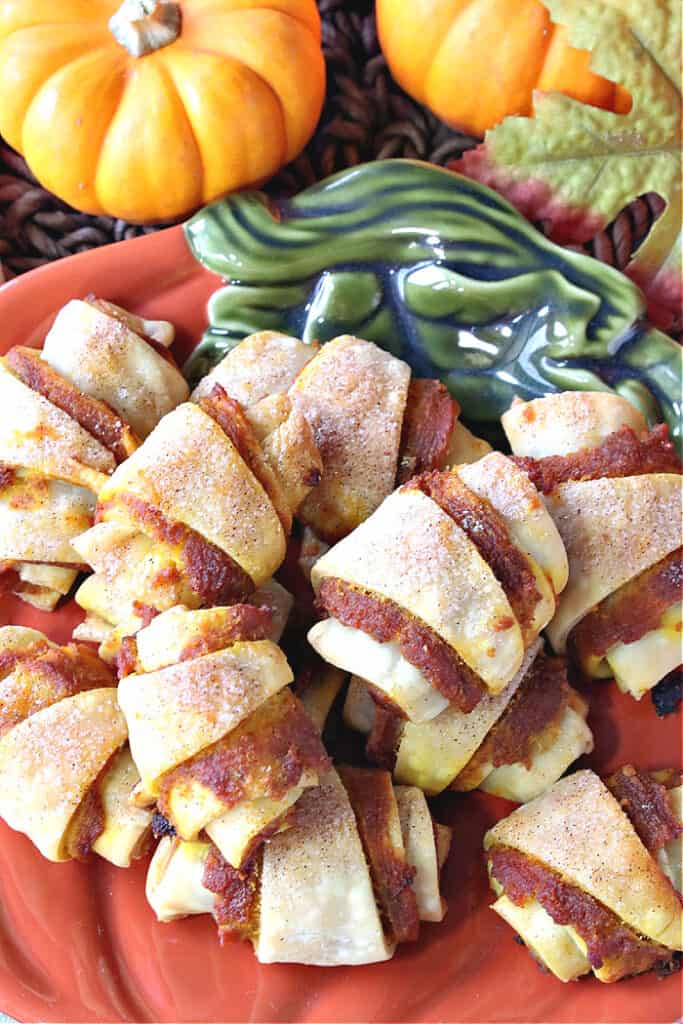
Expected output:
(594, 161)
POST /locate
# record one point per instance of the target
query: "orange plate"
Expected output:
(78, 942)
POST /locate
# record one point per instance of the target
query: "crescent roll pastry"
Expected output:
(614, 492)
(581, 873)
(71, 412)
(66, 776)
(195, 517)
(436, 598)
(353, 877)
(373, 425)
(118, 358)
(513, 744)
(221, 743)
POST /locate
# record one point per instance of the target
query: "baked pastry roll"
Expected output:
(81, 403)
(513, 744)
(578, 874)
(373, 425)
(438, 595)
(119, 358)
(341, 887)
(263, 365)
(614, 492)
(222, 745)
(195, 517)
(66, 775)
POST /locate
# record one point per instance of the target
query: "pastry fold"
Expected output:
(222, 745)
(513, 744)
(262, 365)
(353, 394)
(73, 402)
(313, 891)
(374, 426)
(567, 422)
(575, 877)
(613, 530)
(437, 596)
(184, 520)
(65, 773)
(118, 358)
(614, 493)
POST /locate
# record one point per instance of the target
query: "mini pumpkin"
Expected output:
(474, 62)
(148, 108)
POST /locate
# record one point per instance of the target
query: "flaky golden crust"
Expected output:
(40, 517)
(317, 903)
(412, 552)
(612, 529)
(169, 471)
(49, 761)
(567, 422)
(578, 829)
(261, 365)
(179, 710)
(100, 353)
(353, 394)
(34, 434)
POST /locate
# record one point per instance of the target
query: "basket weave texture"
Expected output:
(366, 116)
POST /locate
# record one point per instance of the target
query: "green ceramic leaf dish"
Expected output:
(441, 271)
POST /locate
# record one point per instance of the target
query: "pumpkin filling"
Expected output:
(621, 454)
(538, 704)
(264, 757)
(46, 676)
(384, 737)
(606, 937)
(87, 823)
(229, 415)
(428, 422)
(385, 621)
(100, 421)
(374, 805)
(486, 529)
(236, 908)
(213, 575)
(647, 806)
(630, 612)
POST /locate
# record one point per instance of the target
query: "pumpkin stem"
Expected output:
(143, 26)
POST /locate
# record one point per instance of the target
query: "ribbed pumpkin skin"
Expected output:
(474, 62)
(152, 138)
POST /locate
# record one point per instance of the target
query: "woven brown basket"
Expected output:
(367, 116)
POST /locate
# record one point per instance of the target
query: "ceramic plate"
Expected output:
(78, 942)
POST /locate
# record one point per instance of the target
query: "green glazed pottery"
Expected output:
(441, 271)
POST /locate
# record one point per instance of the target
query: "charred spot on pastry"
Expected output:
(668, 693)
(161, 826)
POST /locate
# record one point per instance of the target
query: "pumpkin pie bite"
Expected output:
(584, 873)
(66, 773)
(373, 424)
(437, 597)
(613, 489)
(351, 879)
(198, 516)
(223, 746)
(72, 412)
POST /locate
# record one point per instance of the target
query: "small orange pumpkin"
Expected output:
(474, 62)
(148, 108)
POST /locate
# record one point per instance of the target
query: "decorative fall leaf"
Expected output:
(576, 167)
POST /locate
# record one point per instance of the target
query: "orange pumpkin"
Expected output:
(148, 108)
(474, 62)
